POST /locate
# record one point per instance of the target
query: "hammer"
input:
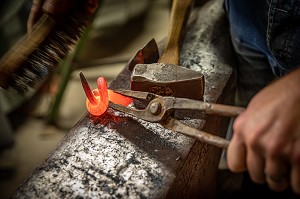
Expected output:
(167, 77)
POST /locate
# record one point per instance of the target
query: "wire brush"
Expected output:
(35, 56)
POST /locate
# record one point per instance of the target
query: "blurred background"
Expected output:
(32, 125)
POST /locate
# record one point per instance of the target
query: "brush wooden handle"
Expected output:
(19, 53)
(179, 16)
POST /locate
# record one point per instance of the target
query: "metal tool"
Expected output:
(161, 108)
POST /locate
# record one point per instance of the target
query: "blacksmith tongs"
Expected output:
(160, 109)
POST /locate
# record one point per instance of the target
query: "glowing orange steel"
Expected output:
(97, 100)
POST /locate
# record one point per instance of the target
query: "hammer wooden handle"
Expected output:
(179, 16)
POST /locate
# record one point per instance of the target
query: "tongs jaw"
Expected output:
(137, 94)
(156, 111)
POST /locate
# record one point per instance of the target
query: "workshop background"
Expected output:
(31, 126)
(26, 134)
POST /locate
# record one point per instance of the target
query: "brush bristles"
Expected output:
(40, 64)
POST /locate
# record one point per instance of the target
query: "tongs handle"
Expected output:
(224, 110)
(202, 136)
(209, 108)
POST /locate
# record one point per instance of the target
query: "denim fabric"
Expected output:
(248, 33)
(283, 35)
(269, 27)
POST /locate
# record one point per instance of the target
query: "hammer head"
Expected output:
(168, 80)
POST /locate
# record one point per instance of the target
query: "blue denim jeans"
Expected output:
(266, 37)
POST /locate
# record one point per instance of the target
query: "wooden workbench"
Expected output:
(117, 156)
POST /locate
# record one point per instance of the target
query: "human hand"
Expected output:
(57, 8)
(266, 138)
